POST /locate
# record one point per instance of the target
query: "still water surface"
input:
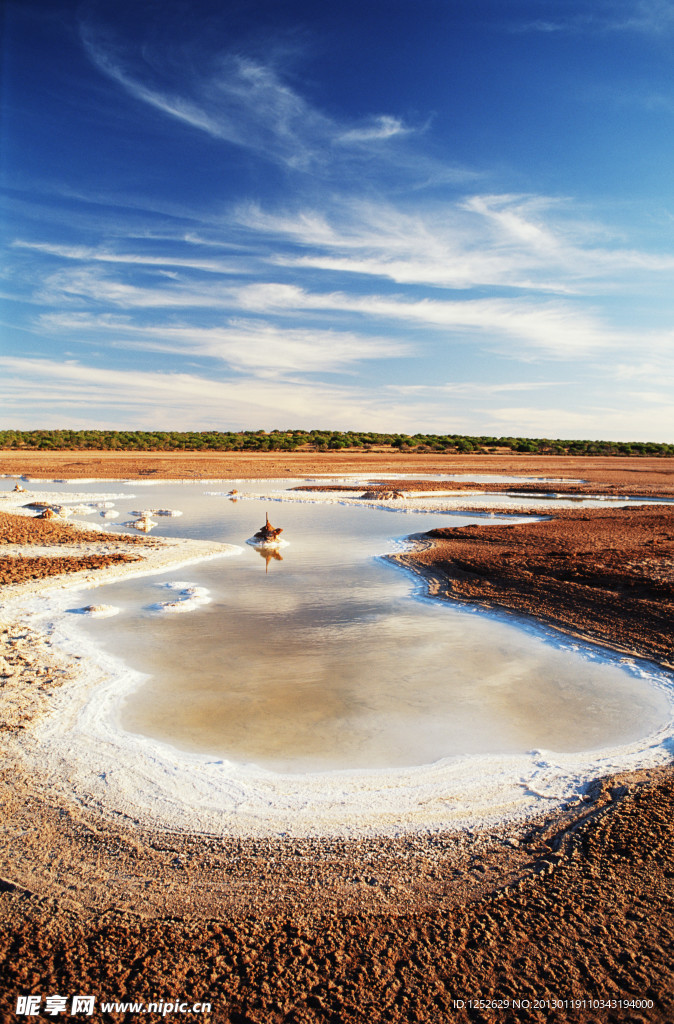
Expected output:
(329, 658)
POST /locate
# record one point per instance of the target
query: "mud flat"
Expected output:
(570, 908)
(645, 475)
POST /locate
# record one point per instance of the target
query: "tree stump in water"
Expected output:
(268, 532)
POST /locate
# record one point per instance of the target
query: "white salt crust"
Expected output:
(267, 545)
(96, 611)
(147, 512)
(190, 597)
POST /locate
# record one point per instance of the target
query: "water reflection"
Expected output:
(269, 555)
(335, 664)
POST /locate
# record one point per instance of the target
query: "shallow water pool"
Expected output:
(328, 657)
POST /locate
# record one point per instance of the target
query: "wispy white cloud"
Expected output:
(518, 219)
(83, 253)
(531, 243)
(110, 58)
(472, 389)
(655, 398)
(653, 17)
(548, 327)
(449, 247)
(654, 371)
(539, 25)
(239, 100)
(514, 243)
(70, 393)
(527, 243)
(246, 346)
(646, 17)
(92, 285)
(383, 127)
(522, 326)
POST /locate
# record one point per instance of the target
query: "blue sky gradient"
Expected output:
(406, 215)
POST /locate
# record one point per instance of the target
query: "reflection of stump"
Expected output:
(268, 532)
(269, 555)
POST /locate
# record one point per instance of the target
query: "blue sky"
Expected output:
(408, 215)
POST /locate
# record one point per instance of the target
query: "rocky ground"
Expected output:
(17, 531)
(20, 570)
(603, 574)
(27, 529)
(574, 910)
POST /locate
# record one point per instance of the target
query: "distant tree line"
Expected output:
(313, 440)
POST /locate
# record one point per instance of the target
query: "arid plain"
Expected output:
(574, 906)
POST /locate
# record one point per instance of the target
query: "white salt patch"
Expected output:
(80, 510)
(447, 503)
(184, 605)
(267, 545)
(143, 524)
(147, 512)
(65, 498)
(191, 597)
(96, 611)
(109, 514)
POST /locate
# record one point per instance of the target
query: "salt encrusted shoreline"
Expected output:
(114, 772)
(166, 553)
